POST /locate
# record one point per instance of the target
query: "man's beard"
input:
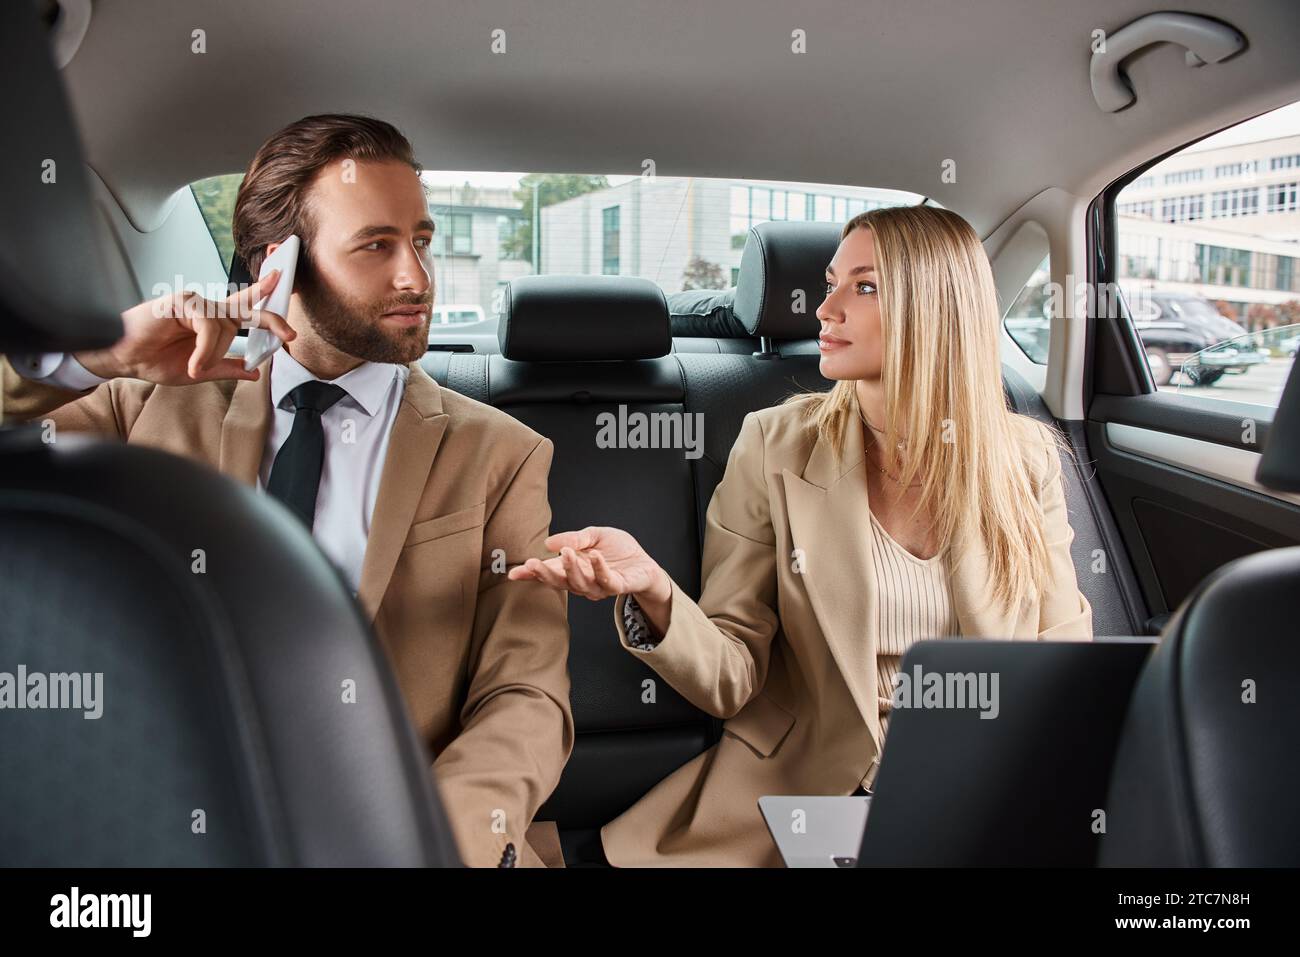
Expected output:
(353, 326)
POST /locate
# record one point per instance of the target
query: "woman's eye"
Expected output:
(829, 288)
(868, 287)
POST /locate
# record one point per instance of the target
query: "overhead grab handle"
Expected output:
(1206, 41)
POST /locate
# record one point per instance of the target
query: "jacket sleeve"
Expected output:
(516, 723)
(1064, 611)
(107, 409)
(715, 652)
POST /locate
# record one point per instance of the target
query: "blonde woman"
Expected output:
(907, 503)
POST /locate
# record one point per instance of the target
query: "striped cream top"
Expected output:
(914, 603)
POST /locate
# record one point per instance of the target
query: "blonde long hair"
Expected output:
(941, 374)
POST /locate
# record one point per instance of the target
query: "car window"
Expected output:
(680, 232)
(216, 199)
(1209, 261)
(1029, 320)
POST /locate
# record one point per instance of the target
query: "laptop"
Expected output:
(816, 830)
(1017, 774)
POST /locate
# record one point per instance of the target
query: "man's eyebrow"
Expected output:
(370, 232)
(852, 272)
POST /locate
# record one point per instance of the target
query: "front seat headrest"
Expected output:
(780, 260)
(53, 292)
(583, 318)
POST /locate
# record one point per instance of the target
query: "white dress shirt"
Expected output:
(56, 368)
(356, 428)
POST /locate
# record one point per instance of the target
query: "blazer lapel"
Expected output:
(830, 523)
(829, 520)
(244, 429)
(417, 433)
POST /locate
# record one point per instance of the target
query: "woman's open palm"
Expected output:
(595, 562)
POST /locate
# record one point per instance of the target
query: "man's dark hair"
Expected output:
(272, 201)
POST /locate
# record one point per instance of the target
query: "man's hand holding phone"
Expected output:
(182, 338)
(283, 259)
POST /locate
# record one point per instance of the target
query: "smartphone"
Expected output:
(262, 343)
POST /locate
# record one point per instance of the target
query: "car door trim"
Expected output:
(1223, 462)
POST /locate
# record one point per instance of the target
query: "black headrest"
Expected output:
(53, 292)
(583, 318)
(1279, 466)
(779, 260)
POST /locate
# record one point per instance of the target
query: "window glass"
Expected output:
(1029, 320)
(216, 199)
(1208, 243)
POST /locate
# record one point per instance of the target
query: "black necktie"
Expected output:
(295, 475)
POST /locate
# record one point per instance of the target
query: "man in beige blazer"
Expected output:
(798, 690)
(461, 493)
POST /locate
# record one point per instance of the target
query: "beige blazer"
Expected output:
(481, 661)
(788, 656)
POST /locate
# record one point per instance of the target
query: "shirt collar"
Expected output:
(366, 385)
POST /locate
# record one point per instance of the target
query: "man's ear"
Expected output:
(270, 250)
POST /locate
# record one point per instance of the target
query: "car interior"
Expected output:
(1185, 506)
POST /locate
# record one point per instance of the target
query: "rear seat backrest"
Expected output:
(628, 738)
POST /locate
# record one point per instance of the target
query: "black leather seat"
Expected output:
(1206, 772)
(629, 734)
(226, 644)
(573, 347)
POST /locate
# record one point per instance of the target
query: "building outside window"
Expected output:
(1235, 202)
(1181, 209)
(455, 235)
(1282, 197)
(507, 226)
(609, 240)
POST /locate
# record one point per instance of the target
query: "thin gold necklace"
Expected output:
(902, 446)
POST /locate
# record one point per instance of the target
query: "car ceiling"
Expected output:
(886, 92)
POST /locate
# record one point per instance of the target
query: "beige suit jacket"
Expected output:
(482, 662)
(785, 649)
